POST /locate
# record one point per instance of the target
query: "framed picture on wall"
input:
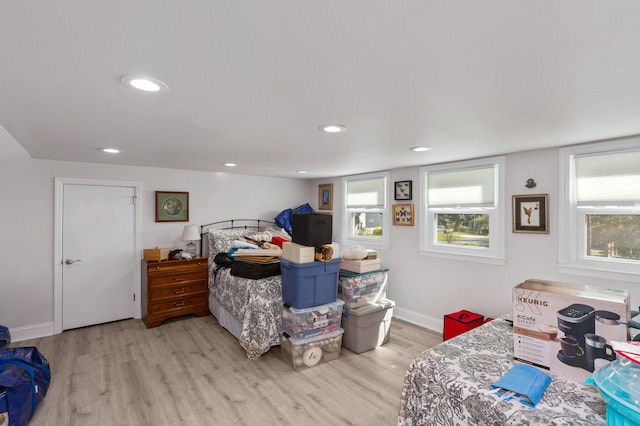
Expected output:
(403, 190)
(403, 214)
(530, 214)
(325, 196)
(172, 206)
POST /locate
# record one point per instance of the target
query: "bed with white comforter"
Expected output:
(251, 309)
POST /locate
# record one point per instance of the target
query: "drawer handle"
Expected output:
(175, 291)
(178, 278)
(178, 304)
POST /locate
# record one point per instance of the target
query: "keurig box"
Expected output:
(311, 229)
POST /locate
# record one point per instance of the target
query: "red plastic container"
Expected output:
(459, 322)
(278, 240)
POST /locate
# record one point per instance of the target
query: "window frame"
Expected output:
(350, 239)
(572, 257)
(495, 254)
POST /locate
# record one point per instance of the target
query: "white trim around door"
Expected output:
(57, 238)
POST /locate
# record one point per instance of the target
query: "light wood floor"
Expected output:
(191, 371)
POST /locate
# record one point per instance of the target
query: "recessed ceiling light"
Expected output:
(110, 150)
(420, 148)
(230, 164)
(333, 128)
(302, 172)
(145, 83)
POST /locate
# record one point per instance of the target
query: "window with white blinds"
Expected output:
(366, 218)
(366, 194)
(600, 209)
(608, 178)
(462, 188)
(464, 210)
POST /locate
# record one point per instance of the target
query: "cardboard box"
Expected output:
(156, 254)
(567, 329)
(297, 253)
(360, 266)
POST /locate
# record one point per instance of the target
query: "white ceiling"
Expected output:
(251, 81)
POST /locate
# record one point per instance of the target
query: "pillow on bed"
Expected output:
(221, 240)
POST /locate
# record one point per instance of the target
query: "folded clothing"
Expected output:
(524, 383)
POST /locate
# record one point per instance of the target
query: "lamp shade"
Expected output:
(190, 233)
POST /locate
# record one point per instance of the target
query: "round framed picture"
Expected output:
(172, 206)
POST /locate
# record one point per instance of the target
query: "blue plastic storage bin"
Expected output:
(309, 284)
(618, 384)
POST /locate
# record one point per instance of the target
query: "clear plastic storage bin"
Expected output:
(314, 321)
(306, 353)
(361, 289)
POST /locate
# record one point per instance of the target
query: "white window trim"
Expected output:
(570, 261)
(496, 253)
(374, 243)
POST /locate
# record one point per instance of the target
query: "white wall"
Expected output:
(12, 151)
(426, 288)
(26, 220)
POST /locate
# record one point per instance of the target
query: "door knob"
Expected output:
(71, 261)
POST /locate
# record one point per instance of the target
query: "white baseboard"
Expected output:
(434, 324)
(18, 334)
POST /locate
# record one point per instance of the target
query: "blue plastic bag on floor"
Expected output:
(24, 380)
(5, 338)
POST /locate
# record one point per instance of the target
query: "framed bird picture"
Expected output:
(403, 190)
(530, 214)
(403, 214)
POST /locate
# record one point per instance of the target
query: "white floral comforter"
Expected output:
(448, 384)
(256, 304)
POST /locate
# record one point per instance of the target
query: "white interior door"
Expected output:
(99, 269)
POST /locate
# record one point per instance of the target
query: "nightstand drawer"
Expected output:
(173, 266)
(177, 304)
(177, 277)
(160, 293)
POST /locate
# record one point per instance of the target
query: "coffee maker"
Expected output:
(581, 346)
(575, 321)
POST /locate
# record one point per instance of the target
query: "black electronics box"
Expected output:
(311, 229)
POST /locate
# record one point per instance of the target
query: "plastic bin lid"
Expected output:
(370, 307)
(327, 307)
(314, 338)
(290, 265)
(619, 380)
(349, 274)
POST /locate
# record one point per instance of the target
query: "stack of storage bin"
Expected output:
(367, 313)
(312, 313)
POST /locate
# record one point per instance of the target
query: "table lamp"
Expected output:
(191, 234)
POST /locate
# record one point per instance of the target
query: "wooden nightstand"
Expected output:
(173, 288)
